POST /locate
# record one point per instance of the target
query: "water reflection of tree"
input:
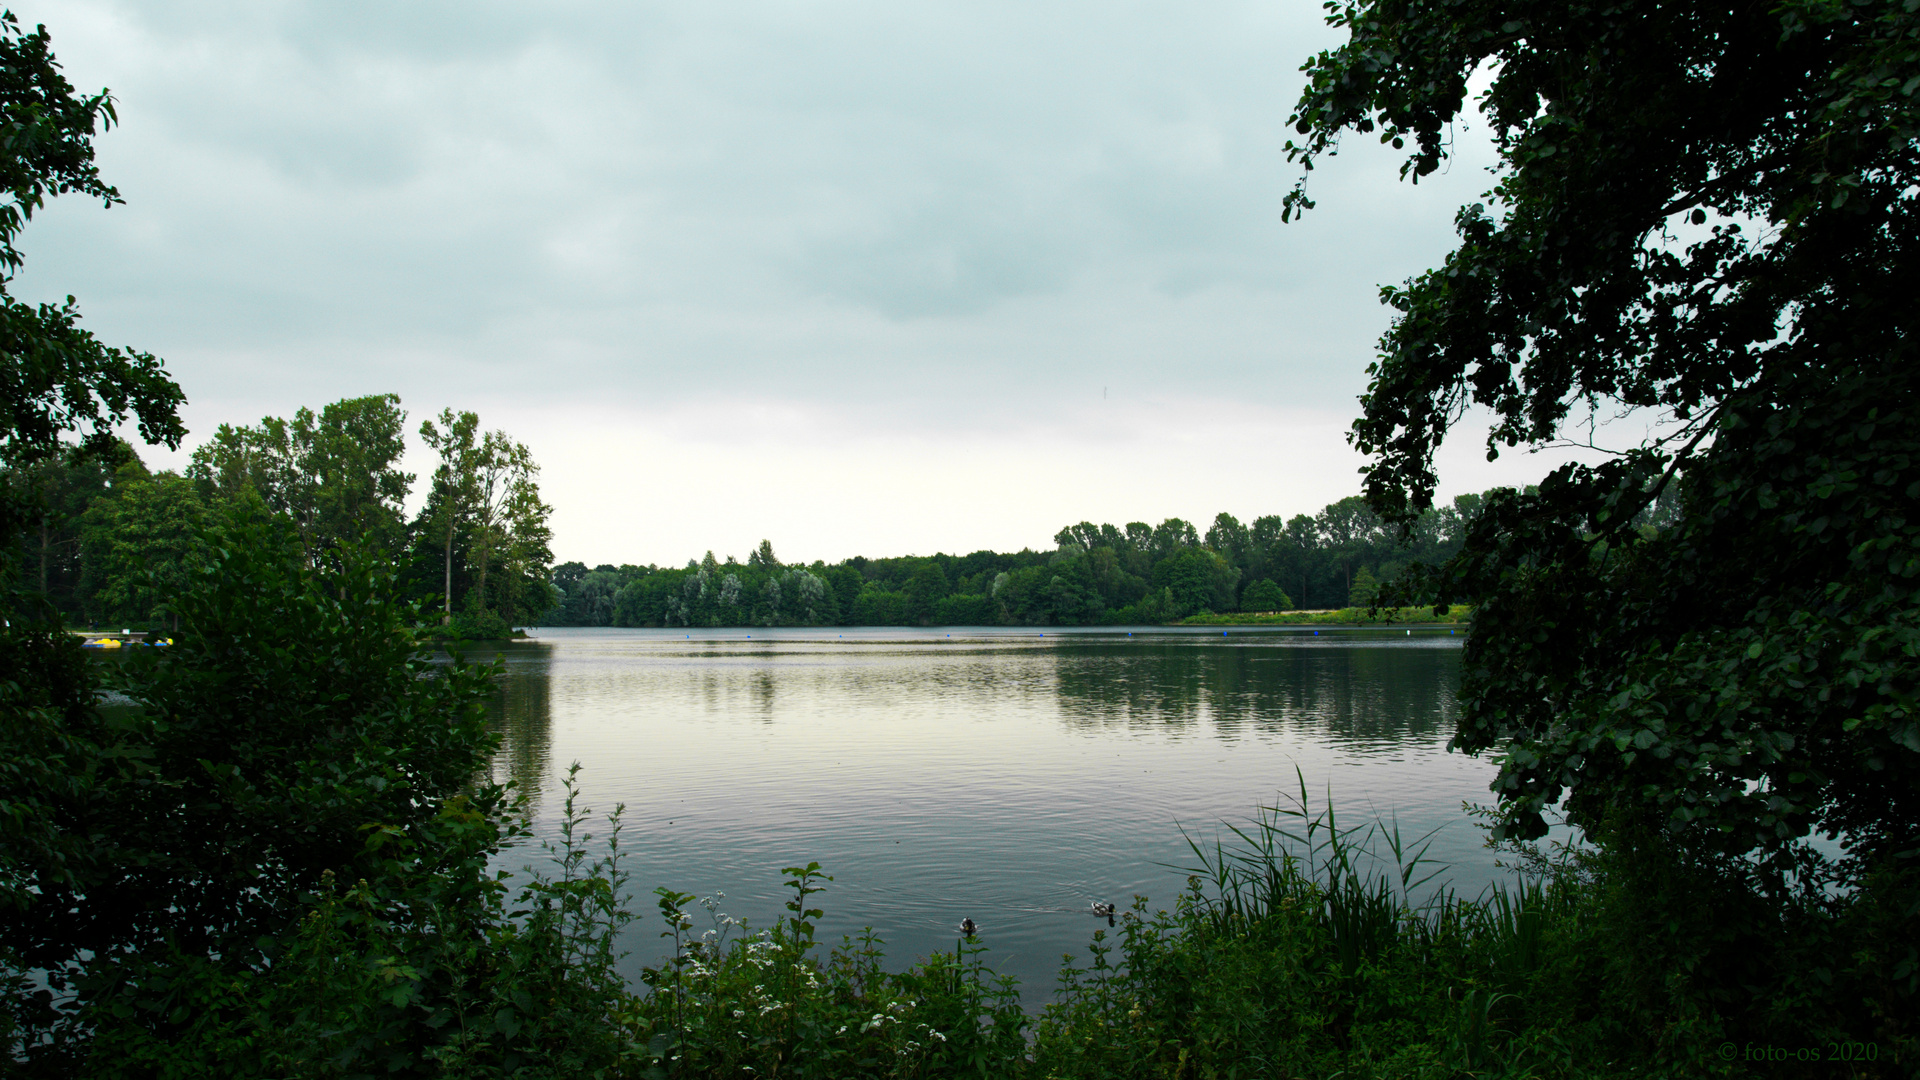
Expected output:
(1360, 693)
(522, 715)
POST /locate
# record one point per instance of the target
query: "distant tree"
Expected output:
(1170, 536)
(1230, 539)
(57, 491)
(1301, 553)
(486, 486)
(1197, 580)
(1365, 589)
(456, 441)
(762, 557)
(926, 585)
(335, 474)
(143, 544)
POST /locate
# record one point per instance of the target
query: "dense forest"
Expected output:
(111, 541)
(1093, 575)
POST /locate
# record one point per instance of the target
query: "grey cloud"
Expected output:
(913, 205)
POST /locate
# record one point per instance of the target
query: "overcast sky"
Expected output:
(860, 278)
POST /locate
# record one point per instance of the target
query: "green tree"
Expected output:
(335, 474)
(1197, 580)
(1365, 589)
(295, 729)
(456, 440)
(1264, 595)
(142, 545)
(486, 486)
(55, 378)
(926, 586)
(353, 451)
(1705, 213)
(56, 492)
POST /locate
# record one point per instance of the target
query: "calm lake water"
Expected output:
(1006, 775)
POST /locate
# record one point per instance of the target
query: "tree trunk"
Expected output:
(486, 556)
(46, 531)
(447, 600)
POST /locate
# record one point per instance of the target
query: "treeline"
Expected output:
(111, 541)
(1094, 575)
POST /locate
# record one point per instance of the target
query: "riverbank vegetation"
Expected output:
(1094, 575)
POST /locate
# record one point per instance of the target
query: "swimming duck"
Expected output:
(1103, 909)
(968, 927)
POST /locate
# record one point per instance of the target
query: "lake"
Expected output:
(1008, 775)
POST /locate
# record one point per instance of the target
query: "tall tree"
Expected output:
(55, 493)
(456, 441)
(487, 486)
(1704, 212)
(336, 475)
(352, 450)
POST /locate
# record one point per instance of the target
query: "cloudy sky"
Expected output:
(861, 278)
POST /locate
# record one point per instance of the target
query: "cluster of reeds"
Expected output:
(1310, 948)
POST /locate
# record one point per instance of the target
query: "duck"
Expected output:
(968, 927)
(1103, 909)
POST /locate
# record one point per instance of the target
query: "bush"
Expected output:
(295, 729)
(1264, 595)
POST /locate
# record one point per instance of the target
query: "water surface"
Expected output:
(1011, 776)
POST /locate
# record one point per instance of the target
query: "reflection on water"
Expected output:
(998, 775)
(1350, 694)
(522, 715)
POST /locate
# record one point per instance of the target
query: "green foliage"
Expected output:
(486, 505)
(335, 475)
(431, 974)
(734, 1002)
(1097, 575)
(141, 544)
(1264, 595)
(54, 494)
(54, 377)
(1706, 648)
(294, 728)
(1307, 950)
